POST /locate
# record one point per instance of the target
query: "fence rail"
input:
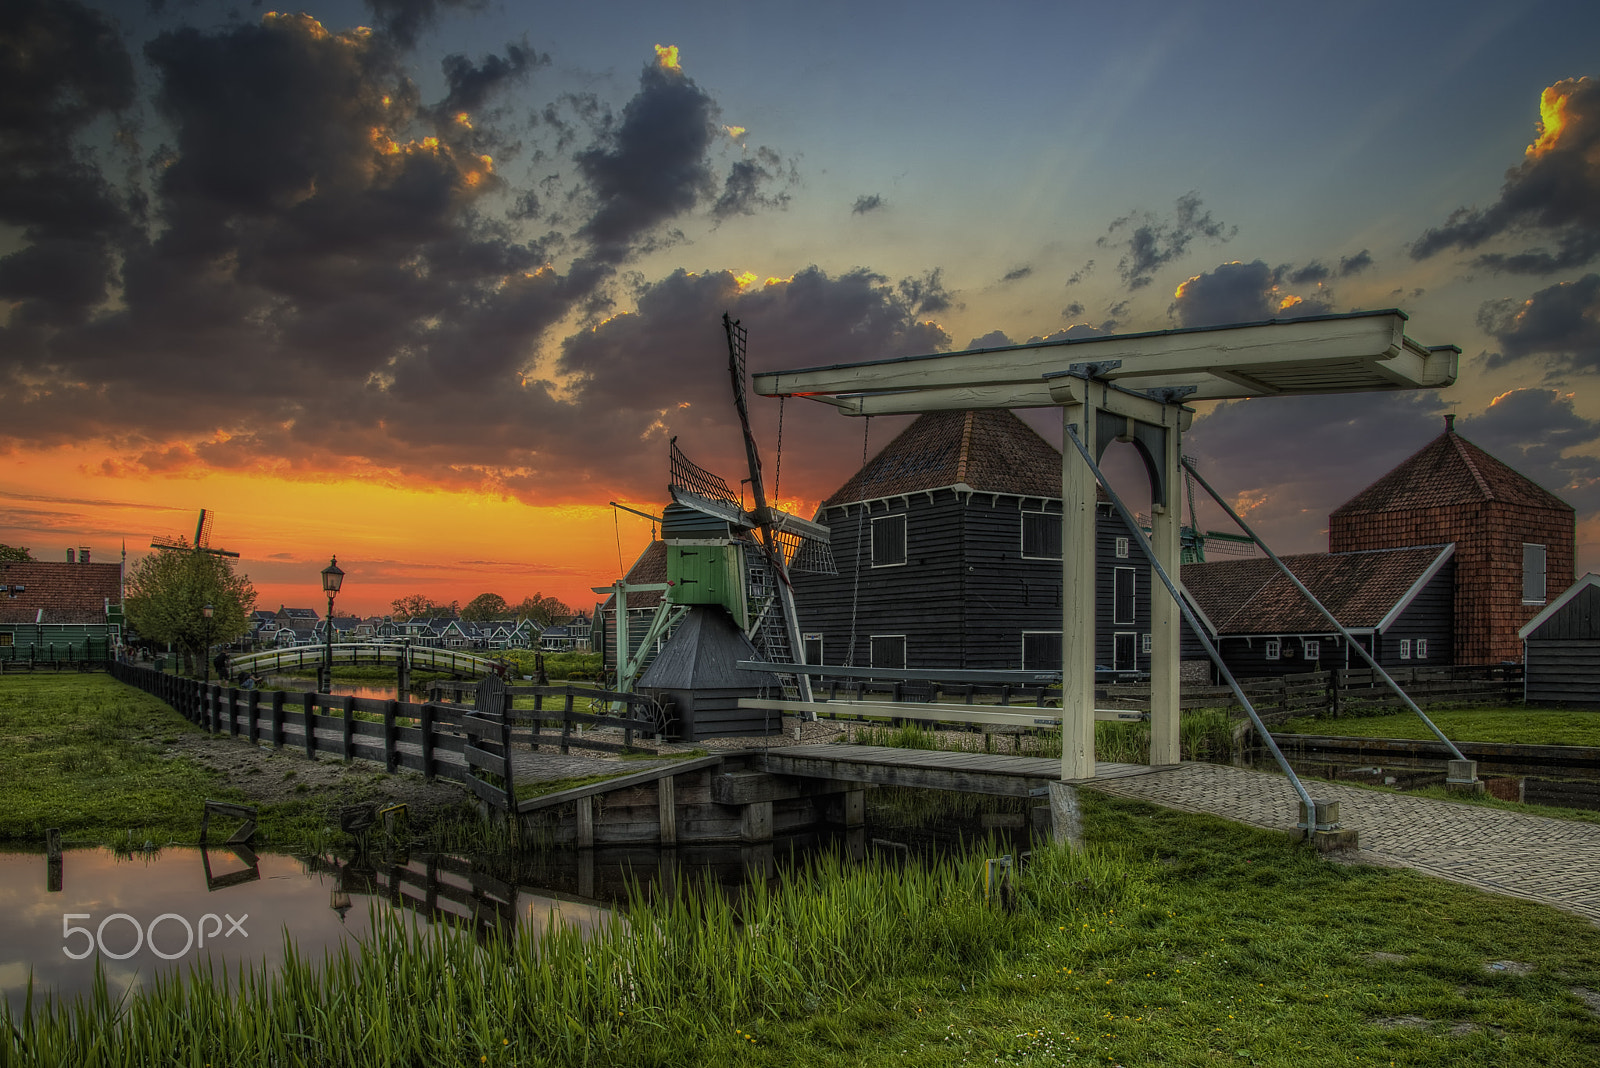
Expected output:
(474, 746)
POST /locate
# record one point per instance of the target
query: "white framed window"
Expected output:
(1144, 644)
(888, 650)
(1041, 535)
(1405, 648)
(1125, 584)
(1122, 548)
(1420, 649)
(1041, 650)
(1123, 644)
(1274, 648)
(1313, 650)
(889, 540)
(1533, 573)
(813, 647)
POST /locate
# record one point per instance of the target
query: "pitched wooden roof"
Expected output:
(703, 655)
(1449, 470)
(990, 450)
(1252, 596)
(67, 593)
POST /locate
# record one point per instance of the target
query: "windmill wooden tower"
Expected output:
(723, 555)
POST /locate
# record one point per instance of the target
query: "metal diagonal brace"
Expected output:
(1329, 616)
(1308, 807)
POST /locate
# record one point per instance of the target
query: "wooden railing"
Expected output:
(568, 709)
(424, 657)
(474, 746)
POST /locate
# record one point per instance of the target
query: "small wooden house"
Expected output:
(1562, 649)
(948, 545)
(1398, 603)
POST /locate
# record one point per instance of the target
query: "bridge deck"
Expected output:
(979, 773)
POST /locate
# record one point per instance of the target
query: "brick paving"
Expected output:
(1550, 861)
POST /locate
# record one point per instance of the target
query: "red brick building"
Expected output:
(1516, 542)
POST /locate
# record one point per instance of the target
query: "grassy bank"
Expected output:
(1505, 726)
(107, 763)
(1204, 734)
(1173, 940)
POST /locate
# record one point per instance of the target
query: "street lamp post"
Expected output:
(332, 577)
(206, 656)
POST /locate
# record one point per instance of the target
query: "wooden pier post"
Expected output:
(668, 810)
(586, 823)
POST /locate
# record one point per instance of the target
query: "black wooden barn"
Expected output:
(1399, 604)
(948, 545)
(1561, 649)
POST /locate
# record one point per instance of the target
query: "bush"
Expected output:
(560, 667)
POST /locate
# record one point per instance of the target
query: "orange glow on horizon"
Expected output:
(392, 541)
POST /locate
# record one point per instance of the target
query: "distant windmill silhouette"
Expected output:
(202, 539)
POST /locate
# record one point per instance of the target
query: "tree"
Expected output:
(167, 591)
(421, 606)
(542, 610)
(14, 554)
(486, 606)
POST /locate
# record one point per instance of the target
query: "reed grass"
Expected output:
(660, 986)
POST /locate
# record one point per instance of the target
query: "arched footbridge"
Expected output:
(412, 657)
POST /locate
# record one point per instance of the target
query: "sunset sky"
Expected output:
(426, 284)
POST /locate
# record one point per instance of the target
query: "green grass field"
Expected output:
(1507, 726)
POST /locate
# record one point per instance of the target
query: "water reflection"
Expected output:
(1567, 786)
(140, 914)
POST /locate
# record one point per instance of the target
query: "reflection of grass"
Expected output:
(1172, 939)
(1504, 726)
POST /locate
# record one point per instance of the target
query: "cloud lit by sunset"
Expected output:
(427, 294)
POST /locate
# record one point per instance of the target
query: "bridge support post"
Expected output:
(1078, 507)
(1066, 815)
(668, 809)
(755, 822)
(586, 823)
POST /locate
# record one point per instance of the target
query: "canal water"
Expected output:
(141, 914)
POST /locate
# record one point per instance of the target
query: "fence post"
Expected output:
(390, 757)
(233, 712)
(566, 721)
(252, 708)
(426, 723)
(308, 701)
(277, 718)
(348, 748)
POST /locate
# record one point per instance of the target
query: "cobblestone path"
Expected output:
(1551, 861)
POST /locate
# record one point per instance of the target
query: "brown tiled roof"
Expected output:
(1252, 596)
(650, 567)
(1449, 470)
(990, 450)
(68, 593)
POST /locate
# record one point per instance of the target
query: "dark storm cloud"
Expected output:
(404, 20)
(1560, 325)
(1240, 293)
(61, 69)
(926, 295)
(1072, 311)
(1532, 430)
(749, 185)
(1553, 195)
(1081, 273)
(1311, 274)
(664, 366)
(994, 339)
(1017, 274)
(1286, 462)
(471, 84)
(1152, 242)
(866, 203)
(653, 164)
(1349, 265)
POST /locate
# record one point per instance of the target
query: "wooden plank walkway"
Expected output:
(621, 782)
(978, 773)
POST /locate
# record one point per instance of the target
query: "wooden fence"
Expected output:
(473, 745)
(1343, 692)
